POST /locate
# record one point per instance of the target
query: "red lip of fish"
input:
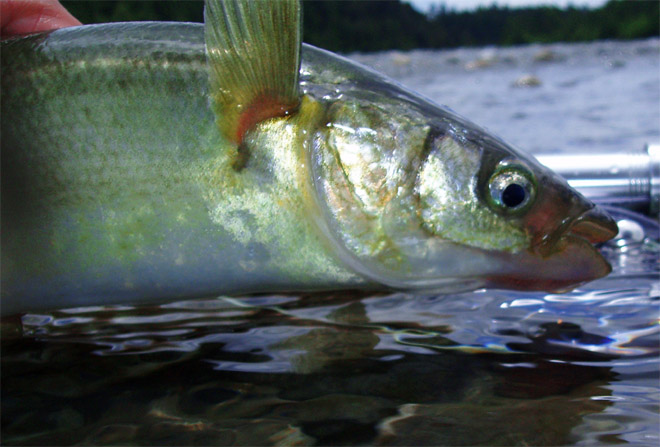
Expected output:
(594, 226)
(564, 259)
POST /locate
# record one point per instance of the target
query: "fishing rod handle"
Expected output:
(629, 179)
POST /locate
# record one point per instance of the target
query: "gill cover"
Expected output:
(382, 172)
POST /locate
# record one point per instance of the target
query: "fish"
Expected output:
(150, 162)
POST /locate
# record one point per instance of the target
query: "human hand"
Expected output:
(31, 16)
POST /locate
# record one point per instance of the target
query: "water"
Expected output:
(602, 96)
(488, 367)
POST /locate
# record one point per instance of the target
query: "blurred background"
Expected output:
(348, 26)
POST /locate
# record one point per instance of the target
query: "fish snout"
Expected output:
(594, 226)
(564, 258)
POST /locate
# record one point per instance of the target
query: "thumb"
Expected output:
(31, 16)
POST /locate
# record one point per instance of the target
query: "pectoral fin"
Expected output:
(253, 52)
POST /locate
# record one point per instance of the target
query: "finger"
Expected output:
(32, 16)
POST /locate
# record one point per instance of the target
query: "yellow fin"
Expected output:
(253, 52)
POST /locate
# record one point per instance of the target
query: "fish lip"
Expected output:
(563, 258)
(572, 262)
(594, 226)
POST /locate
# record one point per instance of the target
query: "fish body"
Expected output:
(118, 186)
(121, 182)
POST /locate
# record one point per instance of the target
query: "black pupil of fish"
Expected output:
(513, 195)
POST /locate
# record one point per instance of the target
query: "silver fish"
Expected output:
(146, 162)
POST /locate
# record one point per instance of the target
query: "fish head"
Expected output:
(414, 196)
(527, 226)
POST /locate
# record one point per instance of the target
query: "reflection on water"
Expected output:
(482, 368)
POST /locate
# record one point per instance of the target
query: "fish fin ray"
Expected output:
(253, 51)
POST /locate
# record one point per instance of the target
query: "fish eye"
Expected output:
(512, 188)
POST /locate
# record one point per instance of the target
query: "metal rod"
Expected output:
(630, 180)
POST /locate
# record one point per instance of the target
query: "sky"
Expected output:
(462, 5)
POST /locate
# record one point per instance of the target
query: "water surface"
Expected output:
(601, 96)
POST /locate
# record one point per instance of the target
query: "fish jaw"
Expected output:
(571, 260)
(575, 263)
(561, 210)
(595, 225)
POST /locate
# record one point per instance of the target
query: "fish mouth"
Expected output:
(593, 226)
(563, 260)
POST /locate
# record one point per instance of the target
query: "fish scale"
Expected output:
(127, 179)
(115, 186)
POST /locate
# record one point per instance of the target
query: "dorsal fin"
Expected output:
(253, 52)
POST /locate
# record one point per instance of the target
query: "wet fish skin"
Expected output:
(119, 187)
(405, 187)
(112, 178)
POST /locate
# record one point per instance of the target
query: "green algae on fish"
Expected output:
(139, 165)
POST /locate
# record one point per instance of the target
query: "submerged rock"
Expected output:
(527, 80)
(547, 55)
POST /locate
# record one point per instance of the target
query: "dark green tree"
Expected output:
(380, 25)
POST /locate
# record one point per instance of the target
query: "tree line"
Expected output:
(347, 26)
